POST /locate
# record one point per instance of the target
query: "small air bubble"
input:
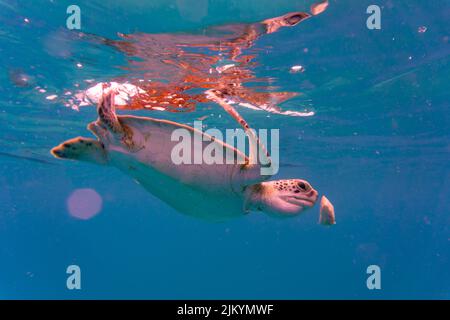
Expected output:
(297, 69)
(422, 29)
(51, 97)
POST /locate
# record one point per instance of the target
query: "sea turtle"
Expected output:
(142, 148)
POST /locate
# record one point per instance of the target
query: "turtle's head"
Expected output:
(293, 18)
(283, 198)
(288, 20)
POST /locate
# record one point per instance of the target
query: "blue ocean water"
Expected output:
(378, 147)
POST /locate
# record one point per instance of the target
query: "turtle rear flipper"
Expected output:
(108, 119)
(107, 113)
(83, 149)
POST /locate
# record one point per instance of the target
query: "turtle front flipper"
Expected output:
(83, 149)
(264, 160)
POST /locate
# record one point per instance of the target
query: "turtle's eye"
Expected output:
(303, 186)
(295, 18)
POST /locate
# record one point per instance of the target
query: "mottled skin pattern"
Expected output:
(292, 185)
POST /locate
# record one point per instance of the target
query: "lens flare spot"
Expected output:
(84, 203)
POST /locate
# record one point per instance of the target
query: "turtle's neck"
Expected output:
(253, 197)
